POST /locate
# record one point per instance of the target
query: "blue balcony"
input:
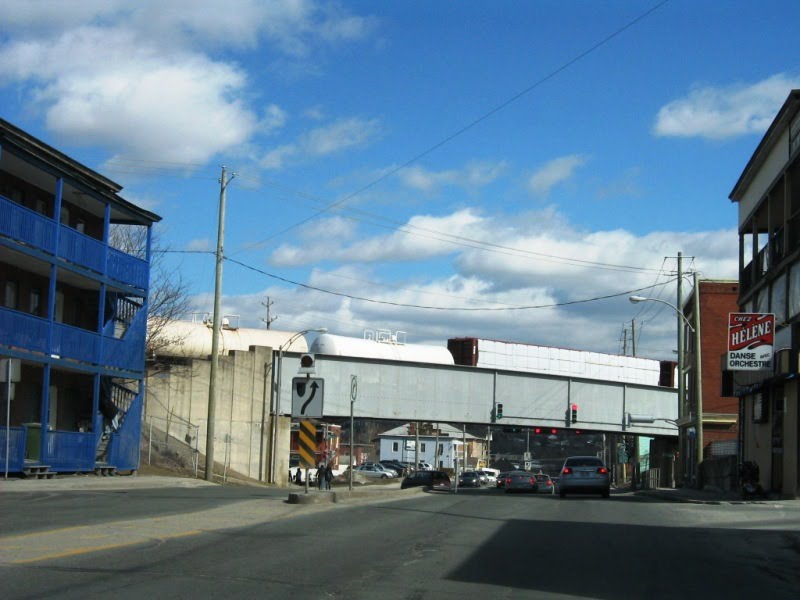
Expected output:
(25, 332)
(36, 231)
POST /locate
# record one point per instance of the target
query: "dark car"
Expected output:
(470, 479)
(435, 480)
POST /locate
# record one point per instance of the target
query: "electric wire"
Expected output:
(470, 125)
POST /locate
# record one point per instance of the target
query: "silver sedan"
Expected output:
(520, 481)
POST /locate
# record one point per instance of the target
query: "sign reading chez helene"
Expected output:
(751, 337)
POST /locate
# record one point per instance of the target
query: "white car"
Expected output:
(423, 466)
(374, 471)
(491, 475)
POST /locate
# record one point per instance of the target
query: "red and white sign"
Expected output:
(751, 337)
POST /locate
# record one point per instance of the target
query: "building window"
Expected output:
(422, 447)
(35, 304)
(760, 408)
(779, 299)
(794, 292)
(395, 446)
(10, 294)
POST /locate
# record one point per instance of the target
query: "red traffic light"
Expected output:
(537, 430)
(554, 431)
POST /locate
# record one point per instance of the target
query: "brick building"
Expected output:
(707, 308)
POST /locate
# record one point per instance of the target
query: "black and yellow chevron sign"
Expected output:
(308, 444)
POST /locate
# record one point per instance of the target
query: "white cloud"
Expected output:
(200, 245)
(340, 135)
(723, 112)
(336, 137)
(474, 174)
(274, 118)
(139, 78)
(554, 172)
(395, 247)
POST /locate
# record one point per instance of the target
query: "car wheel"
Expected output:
(606, 493)
(384, 476)
(562, 494)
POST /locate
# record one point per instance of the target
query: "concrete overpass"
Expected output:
(458, 394)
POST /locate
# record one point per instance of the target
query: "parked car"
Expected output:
(435, 480)
(399, 470)
(545, 484)
(382, 467)
(423, 466)
(469, 479)
(584, 474)
(491, 475)
(520, 481)
(374, 471)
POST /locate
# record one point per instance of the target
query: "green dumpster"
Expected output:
(33, 440)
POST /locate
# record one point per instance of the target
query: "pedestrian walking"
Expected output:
(328, 476)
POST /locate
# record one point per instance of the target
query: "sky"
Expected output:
(504, 170)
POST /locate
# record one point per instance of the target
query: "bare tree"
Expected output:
(169, 292)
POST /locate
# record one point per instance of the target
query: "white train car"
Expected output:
(386, 347)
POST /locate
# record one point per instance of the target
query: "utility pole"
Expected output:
(268, 320)
(212, 382)
(624, 342)
(698, 388)
(633, 337)
(681, 381)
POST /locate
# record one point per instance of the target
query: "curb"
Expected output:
(338, 496)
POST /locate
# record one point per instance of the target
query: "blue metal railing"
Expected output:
(128, 269)
(75, 343)
(23, 330)
(69, 450)
(81, 249)
(16, 452)
(30, 333)
(37, 231)
(128, 352)
(123, 452)
(27, 226)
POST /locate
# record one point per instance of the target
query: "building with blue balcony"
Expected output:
(74, 279)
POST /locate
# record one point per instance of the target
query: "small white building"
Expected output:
(440, 445)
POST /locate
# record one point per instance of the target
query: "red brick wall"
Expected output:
(717, 300)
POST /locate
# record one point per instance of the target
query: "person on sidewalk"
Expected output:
(328, 476)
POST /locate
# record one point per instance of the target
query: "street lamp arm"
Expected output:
(637, 299)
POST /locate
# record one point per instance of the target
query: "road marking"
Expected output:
(80, 551)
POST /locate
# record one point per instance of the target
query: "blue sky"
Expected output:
(481, 155)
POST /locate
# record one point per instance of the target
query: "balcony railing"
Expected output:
(16, 448)
(30, 333)
(69, 450)
(37, 231)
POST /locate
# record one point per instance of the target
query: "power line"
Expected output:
(426, 307)
(473, 123)
(457, 240)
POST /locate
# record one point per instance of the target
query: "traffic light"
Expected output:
(499, 410)
(537, 430)
(307, 364)
(574, 413)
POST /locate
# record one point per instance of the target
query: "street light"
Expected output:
(637, 299)
(681, 353)
(277, 396)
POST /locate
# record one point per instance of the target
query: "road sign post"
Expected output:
(307, 446)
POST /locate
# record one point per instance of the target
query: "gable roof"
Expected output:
(445, 430)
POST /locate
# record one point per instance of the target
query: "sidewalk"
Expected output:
(247, 512)
(712, 496)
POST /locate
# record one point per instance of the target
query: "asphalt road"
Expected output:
(476, 544)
